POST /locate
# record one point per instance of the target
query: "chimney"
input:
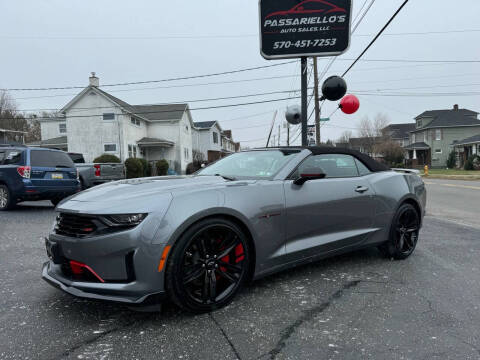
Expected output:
(455, 107)
(94, 81)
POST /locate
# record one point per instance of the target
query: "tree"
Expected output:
(393, 154)
(11, 119)
(371, 131)
(452, 160)
(345, 136)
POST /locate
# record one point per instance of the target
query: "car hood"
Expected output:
(143, 193)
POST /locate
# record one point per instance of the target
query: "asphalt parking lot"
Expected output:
(354, 306)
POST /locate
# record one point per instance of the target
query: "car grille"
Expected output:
(74, 225)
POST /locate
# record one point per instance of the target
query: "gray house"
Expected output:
(435, 133)
(399, 133)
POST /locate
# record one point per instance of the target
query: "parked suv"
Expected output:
(35, 174)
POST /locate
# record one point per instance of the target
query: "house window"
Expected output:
(419, 123)
(108, 116)
(438, 134)
(425, 136)
(413, 138)
(110, 148)
(132, 151)
(62, 128)
(215, 138)
(135, 121)
(186, 153)
(438, 151)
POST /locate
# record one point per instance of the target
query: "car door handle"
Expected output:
(361, 189)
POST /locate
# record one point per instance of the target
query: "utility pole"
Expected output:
(271, 128)
(288, 134)
(304, 101)
(317, 102)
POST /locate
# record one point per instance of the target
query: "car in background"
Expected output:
(28, 174)
(91, 174)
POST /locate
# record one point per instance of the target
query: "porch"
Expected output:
(418, 155)
(466, 148)
(153, 150)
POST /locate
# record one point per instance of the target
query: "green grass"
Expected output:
(451, 172)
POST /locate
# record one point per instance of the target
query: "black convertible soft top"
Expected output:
(370, 163)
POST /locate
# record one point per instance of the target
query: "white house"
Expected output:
(96, 122)
(213, 142)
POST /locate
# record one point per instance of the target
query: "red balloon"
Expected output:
(349, 104)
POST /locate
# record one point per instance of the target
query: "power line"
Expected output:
(169, 111)
(414, 61)
(158, 81)
(375, 38)
(187, 37)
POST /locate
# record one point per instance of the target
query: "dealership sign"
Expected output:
(294, 28)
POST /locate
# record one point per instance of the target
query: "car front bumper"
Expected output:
(131, 293)
(125, 264)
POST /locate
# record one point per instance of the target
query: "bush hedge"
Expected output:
(147, 169)
(162, 167)
(452, 160)
(134, 168)
(106, 158)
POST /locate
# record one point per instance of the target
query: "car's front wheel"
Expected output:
(6, 200)
(208, 265)
(403, 233)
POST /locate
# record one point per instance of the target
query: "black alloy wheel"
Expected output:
(208, 266)
(403, 233)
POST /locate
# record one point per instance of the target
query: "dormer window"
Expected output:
(419, 123)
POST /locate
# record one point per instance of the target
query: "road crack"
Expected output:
(225, 336)
(93, 339)
(307, 316)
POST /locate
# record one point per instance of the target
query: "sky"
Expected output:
(57, 43)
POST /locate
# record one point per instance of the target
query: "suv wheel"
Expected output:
(6, 201)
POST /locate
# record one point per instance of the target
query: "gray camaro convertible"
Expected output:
(197, 239)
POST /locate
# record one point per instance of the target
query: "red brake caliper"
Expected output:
(239, 256)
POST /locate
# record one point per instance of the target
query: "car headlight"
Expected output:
(126, 219)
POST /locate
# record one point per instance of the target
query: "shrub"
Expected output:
(134, 168)
(193, 167)
(452, 160)
(162, 167)
(106, 158)
(469, 163)
(147, 169)
(476, 162)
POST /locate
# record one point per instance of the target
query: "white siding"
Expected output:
(50, 129)
(88, 132)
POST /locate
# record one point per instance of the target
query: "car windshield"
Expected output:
(250, 164)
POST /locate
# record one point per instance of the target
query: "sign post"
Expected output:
(302, 29)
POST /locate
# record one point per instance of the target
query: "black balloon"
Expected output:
(334, 88)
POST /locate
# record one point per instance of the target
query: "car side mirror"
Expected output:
(307, 175)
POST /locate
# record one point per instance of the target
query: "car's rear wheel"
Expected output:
(403, 233)
(208, 265)
(6, 200)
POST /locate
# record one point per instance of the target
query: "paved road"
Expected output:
(349, 307)
(455, 200)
